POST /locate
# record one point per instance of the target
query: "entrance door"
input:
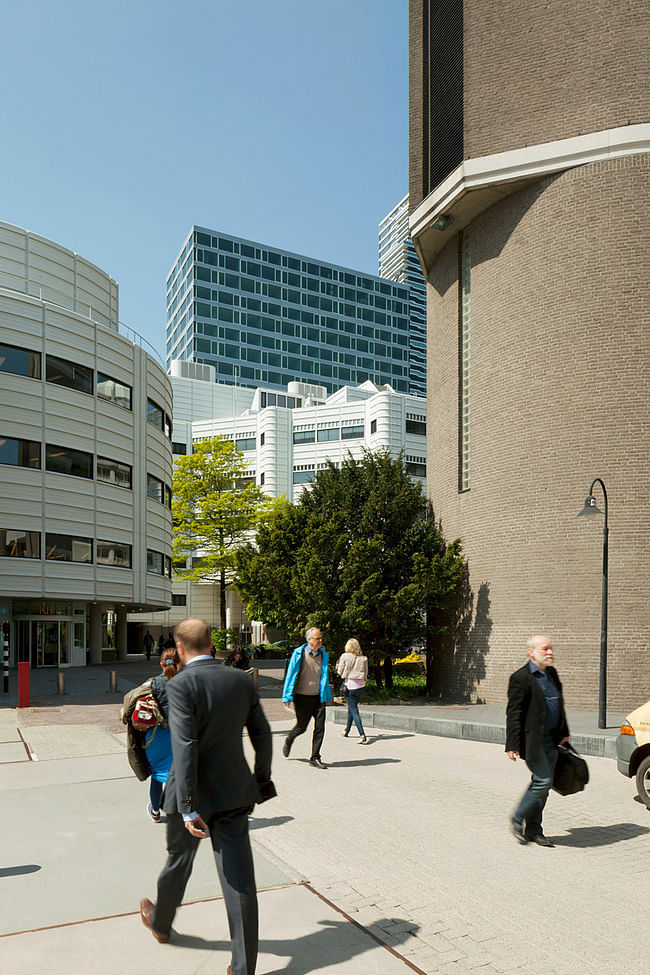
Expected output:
(45, 643)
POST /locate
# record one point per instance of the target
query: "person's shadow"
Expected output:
(600, 835)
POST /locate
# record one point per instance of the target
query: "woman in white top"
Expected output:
(352, 666)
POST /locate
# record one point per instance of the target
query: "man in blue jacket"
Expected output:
(307, 687)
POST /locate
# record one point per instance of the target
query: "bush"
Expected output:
(406, 686)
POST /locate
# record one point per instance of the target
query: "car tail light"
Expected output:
(627, 729)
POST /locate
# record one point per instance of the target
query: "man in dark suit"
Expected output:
(535, 725)
(211, 789)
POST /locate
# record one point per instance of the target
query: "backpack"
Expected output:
(137, 699)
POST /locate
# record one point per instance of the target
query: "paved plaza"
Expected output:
(397, 856)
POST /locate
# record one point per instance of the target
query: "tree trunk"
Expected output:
(222, 598)
(377, 673)
(388, 671)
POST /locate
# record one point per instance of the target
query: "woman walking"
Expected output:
(157, 739)
(352, 667)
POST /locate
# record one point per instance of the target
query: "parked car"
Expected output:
(633, 750)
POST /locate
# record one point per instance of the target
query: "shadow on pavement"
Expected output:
(600, 835)
(360, 762)
(373, 738)
(19, 871)
(255, 823)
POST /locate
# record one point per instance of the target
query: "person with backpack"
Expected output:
(157, 739)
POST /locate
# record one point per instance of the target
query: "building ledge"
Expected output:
(478, 183)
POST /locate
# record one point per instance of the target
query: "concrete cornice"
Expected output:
(478, 183)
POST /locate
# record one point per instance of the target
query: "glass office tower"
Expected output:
(261, 315)
(399, 262)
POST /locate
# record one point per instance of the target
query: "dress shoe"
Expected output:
(539, 838)
(146, 910)
(286, 748)
(517, 830)
(316, 762)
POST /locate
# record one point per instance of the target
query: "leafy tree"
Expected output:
(214, 512)
(360, 554)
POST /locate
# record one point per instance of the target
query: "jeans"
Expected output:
(156, 789)
(354, 698)
(542, 765)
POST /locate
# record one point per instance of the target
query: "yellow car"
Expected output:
(633, 750)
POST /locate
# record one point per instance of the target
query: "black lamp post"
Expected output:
(590, 508)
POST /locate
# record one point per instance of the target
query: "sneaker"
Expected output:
(155, 816)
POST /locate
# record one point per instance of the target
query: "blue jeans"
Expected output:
(156, 789)
(542, 765)
(354, 697)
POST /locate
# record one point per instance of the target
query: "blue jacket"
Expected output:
(293, 672)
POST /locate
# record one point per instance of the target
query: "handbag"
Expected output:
(146, 713)
(571, 771)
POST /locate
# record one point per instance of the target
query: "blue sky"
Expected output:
(124, 123)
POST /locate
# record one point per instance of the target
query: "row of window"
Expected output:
(234, 338)
(62, 372)
(361, 310)
(78, 463)
(18, 544)
(331, 433)
(305, 476)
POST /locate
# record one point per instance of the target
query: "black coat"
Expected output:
(209, 707)
(526, 712)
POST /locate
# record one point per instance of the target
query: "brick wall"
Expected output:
(560, 392)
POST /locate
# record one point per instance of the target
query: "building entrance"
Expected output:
(44, 643)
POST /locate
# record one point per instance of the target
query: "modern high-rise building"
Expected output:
(265, 316)
(529, 184)
(399, 262)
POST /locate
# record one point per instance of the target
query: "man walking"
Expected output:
(307, 686)
(211, 789)
(148, 644)
(535, 725)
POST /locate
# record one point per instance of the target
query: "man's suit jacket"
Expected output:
(209, 707)
(526, 712)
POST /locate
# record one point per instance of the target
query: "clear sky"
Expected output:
(123, 123)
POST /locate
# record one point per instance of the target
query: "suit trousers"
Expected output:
(309, 706)
(234, 860)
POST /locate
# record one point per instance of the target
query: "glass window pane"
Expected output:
(178, 448)
(20, 362)
(114, 553)
(304, 436)
(352, 433)
(113, 472)
(418, 427)
(64, 460)
(15, 544)
(303, 477)
(155, 414)
(332, 434)
(154, 488)
(67, 548)
(155, 562)
(113, 391)
(20, 453)
(65, 373)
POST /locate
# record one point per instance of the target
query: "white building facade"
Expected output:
(85, 461)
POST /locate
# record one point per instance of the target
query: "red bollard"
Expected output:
(23, 684)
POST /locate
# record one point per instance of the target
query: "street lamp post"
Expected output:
(590, 508)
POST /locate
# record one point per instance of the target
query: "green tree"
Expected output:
(214, 511)
(360, 554)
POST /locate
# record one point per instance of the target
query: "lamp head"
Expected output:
(590, 508)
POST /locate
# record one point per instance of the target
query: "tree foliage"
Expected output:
(213, 513)
(360, 554)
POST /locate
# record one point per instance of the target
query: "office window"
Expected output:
(333, 433)
(262, 439)
(68, 548)
(168, 497)
(304, 436)
(62, 372)
(154, 488)
(113, 472)
(168, 426)
(155, 414)
(113, 391)
(416, 469)
(179, 599)
(20, 362)
(373, 426)
(64, 460)
(352, 432)
(114, 553)
(20, 453)
(178, 448)
(155, 562)
(262, 479)
(418, 427)
(464, 392)
(16, 544)
(303, 477)
(245, 443)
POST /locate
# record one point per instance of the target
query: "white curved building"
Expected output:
(85, 460)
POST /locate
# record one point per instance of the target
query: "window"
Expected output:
(464, 312)
(418, 427)
(245, 443)
(303, 477)
(262, 479)
(155, 415)
(64, 460)
(20, 453)
(15, 544)
(113, 391)
(352, 432)
(114, 553)
(113, 472)
(179, 599)
(262, 438)
(65, 373)
(168, 497)
(416, 469)
(67, 548)
(333, 433)
(373, 426)
(155, 488)
(178, 448)
(20, 362)
(155, 562)
(168, 427)
(304, 436)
